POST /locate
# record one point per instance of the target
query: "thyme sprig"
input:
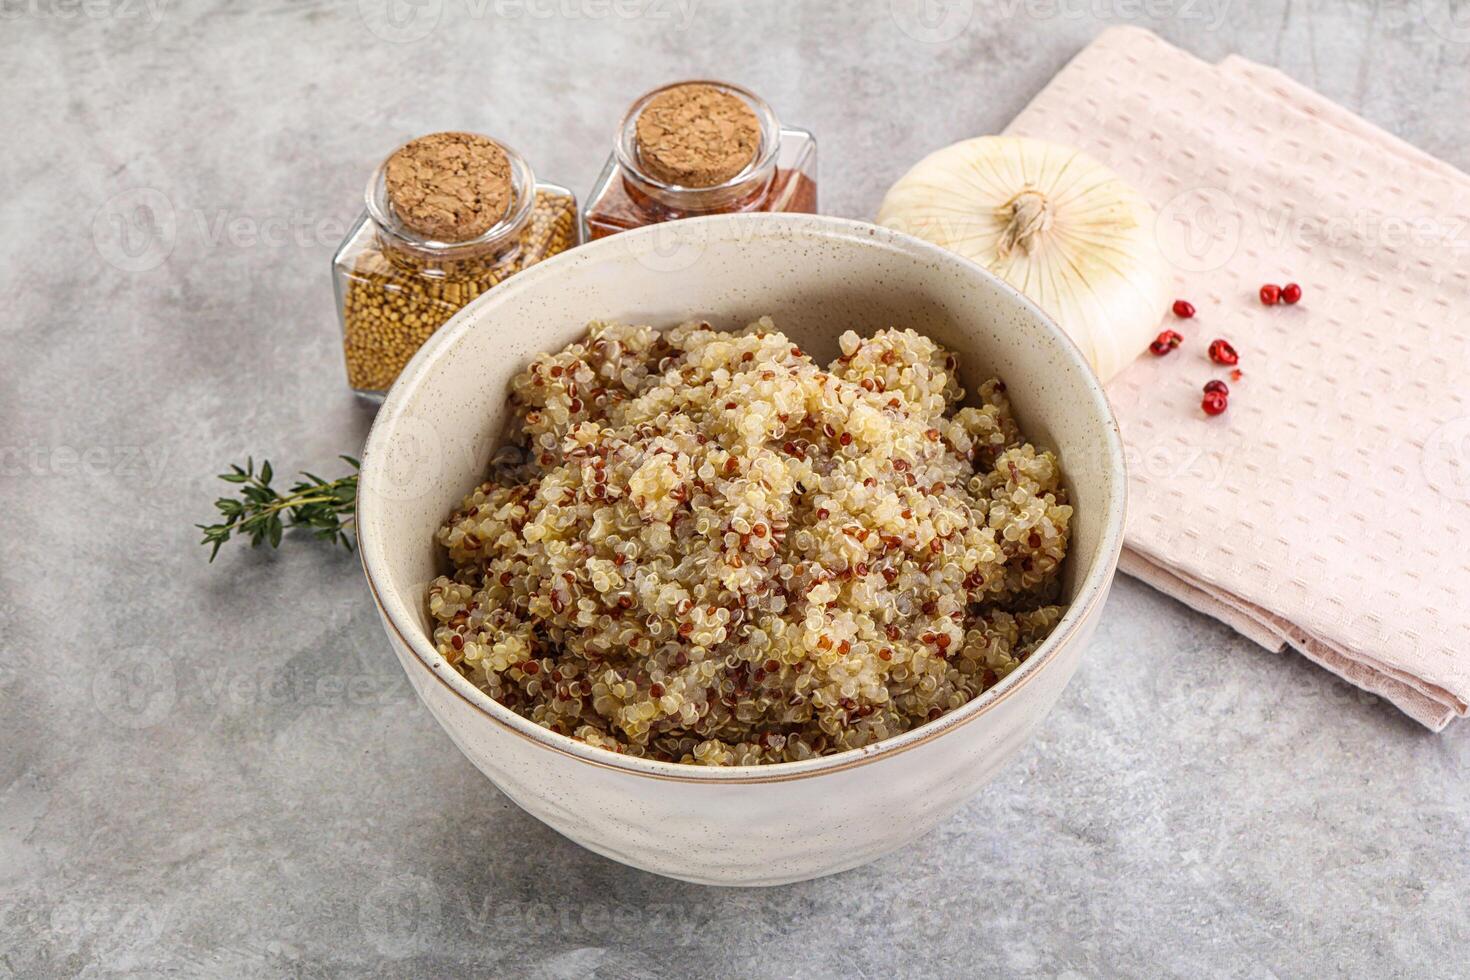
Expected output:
(323, 507)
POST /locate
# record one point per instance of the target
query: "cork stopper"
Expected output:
(449, 187)
(696, 135)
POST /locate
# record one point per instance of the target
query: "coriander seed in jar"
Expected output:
(449, 215)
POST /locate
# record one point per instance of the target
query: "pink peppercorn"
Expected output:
(1222, 353)
(1166, 341)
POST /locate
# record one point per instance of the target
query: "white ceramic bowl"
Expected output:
(752, 825)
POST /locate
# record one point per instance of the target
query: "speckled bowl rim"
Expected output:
(399, 618)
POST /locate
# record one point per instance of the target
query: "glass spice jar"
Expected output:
(448, 216)
(701, 147)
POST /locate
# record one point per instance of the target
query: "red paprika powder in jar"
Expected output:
(701, 147)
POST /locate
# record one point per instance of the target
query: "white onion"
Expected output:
(1054, 223)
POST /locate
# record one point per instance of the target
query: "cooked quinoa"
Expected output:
(704, 547)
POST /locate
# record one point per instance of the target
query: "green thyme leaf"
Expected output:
(261, 513)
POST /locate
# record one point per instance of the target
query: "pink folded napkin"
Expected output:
(1329, 508)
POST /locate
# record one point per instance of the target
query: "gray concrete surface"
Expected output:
(219, 770)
